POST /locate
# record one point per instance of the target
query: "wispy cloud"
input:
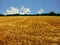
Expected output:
(40, 11)
(14, 10)
(24, 10)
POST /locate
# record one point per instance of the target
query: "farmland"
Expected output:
(29, 30)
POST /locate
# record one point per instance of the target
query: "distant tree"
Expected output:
(38, 14)
(17, 14)
(1, 15)
(58, 14)
(52, 13)
(13, 15)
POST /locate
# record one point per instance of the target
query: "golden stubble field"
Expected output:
(30, 30)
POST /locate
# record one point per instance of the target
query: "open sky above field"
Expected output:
(29, 6)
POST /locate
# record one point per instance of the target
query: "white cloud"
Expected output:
(40, 11)
(12, 10)
(24, 10)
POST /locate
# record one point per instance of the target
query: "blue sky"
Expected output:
(33, 5)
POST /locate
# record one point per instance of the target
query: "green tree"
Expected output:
(52, 13)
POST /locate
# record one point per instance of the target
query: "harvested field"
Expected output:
(29, 30)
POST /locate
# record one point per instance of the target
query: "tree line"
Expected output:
(52, 13)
